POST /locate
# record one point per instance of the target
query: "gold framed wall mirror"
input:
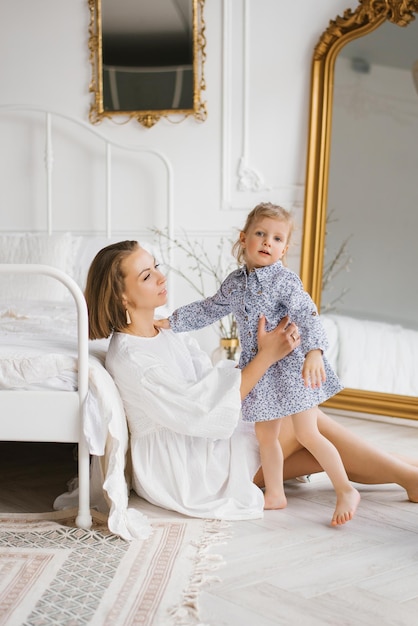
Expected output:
(147, 60)
(363, 135)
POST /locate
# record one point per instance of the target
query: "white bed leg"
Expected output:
(83, 519)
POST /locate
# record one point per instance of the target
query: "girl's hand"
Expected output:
(164, 323)
(313, 371)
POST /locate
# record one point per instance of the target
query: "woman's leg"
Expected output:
(272, 463)
(364, 462)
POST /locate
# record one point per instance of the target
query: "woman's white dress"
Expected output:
(190, 450)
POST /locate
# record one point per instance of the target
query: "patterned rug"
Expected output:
(53, 573)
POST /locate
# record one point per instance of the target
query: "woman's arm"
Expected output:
(272, 346)
(156, 394)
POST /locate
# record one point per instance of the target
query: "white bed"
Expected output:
(372, 355)
(54, 387)
(37, 415)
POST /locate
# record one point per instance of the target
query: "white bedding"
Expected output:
(37, 346)
(38, 349)
(374, 356)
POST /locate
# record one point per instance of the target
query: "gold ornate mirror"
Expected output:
(363, 135)
(147, 60)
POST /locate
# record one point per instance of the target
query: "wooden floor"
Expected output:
(34, 474)
(292, 567)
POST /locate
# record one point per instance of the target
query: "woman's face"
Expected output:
(145, 285)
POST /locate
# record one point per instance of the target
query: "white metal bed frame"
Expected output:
(109, 144)
(65, 422)
(27, 416)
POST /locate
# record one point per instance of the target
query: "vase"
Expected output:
(228, 348)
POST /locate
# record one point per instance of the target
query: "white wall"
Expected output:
(257, 114)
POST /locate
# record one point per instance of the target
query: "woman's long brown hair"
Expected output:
(104, 289)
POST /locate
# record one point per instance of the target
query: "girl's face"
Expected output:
(265, 242)
(145, 285)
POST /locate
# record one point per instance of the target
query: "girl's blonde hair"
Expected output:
(265, 209)
(104, 288)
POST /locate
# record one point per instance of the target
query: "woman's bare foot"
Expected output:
(406, 476)
(274, 501)
(347, 503)
(411, 485)
(413, 494)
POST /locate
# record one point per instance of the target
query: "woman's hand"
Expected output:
(279, 342)
(272, 346)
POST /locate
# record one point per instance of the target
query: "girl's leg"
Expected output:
(306, 431)
(297, 460)
(272, 463)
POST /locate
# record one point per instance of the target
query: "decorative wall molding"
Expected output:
(249, 179)
(243, 178)
(226, 105)
(246, 178)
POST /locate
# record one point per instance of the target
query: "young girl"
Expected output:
(297, 384)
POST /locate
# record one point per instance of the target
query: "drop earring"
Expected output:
(128, 317)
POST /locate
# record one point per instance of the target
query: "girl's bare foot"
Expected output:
(347, 503)
(274, 501)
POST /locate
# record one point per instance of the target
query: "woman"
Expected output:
(190, 451)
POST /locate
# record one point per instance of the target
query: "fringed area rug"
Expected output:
(53, 573)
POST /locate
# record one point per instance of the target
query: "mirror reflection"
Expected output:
(359, 252)
(371, 252)
(147, 59)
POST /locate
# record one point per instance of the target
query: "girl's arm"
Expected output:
(303, 311)
(194, 316)
(205, 312)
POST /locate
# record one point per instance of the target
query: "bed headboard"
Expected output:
(64, 180)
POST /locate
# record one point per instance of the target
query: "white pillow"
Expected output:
(58, 250)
